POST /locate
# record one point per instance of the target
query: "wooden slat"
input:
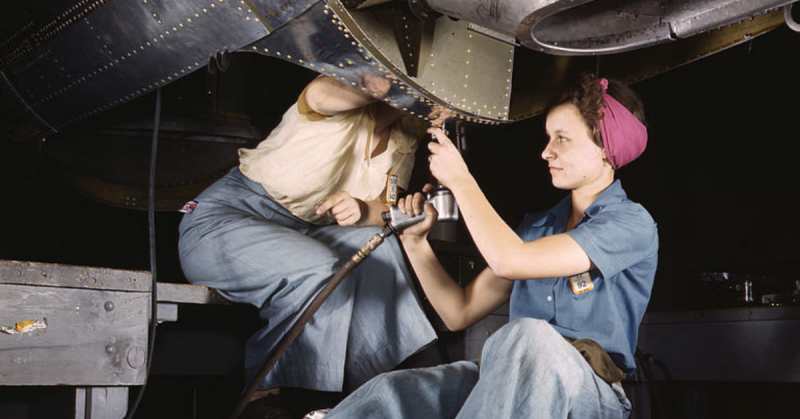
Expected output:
(72, 276)
(188, 294)
(91, 338)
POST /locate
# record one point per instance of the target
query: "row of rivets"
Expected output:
(73, 14)
(464, 104)
(134, 52)
(401, 85)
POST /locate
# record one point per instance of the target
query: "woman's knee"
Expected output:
(527, 340)
(526, 329)
(444, 378)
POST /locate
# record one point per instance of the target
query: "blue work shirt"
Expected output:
(621, 239)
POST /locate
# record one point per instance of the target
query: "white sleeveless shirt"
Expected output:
(309, 157)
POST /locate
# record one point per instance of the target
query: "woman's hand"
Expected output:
(413, 205)
(438, 115)
(375, 85)
(446, 163)
(344, 208)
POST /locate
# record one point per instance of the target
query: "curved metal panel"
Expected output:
(276, 13)
(349, 46)
(531, 94)
(790, 20)
(25, 28)
(595, 27)
(464, 70)
(124, 50)
(500, 15)
(107, 164)
(569, 27)
(19, 121)
(638, 65)
(72, 61)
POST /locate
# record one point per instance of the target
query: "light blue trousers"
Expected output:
(242, 243)
(527, 370)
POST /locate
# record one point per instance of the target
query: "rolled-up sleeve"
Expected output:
(618, 238)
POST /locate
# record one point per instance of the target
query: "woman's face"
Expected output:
(573, 158)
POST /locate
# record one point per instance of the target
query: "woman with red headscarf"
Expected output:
(578, 276)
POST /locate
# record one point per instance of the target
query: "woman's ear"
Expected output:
(605, 156)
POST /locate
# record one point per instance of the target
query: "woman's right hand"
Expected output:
(413, 205)
(446, 163)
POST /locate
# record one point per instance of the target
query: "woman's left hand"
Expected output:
(345, 209)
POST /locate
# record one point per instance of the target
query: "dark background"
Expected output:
(719, 177)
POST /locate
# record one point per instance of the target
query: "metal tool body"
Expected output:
(441, 198)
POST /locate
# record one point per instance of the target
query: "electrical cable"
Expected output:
(151, 221)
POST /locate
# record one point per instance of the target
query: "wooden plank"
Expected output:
(91, 338)
(188, 294)
(71, 276)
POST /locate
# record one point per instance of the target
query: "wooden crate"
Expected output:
(94, 325)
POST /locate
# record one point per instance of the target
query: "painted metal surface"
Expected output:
(530, 95)
(75, 60)
(91, 59)
(589, 27)
(352, 47)
(726, 344)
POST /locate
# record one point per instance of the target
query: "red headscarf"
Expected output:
(624, 136)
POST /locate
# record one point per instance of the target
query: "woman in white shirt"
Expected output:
(275, 228)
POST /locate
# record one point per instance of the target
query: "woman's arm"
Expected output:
(503, 250)
(329, 97)
(458, 307)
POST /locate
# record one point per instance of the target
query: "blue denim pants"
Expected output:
(242, 243)
(527, 370)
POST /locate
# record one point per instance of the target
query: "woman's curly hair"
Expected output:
(587, 95)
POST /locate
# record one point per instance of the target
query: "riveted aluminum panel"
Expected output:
(347, 46)
(106, 56)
